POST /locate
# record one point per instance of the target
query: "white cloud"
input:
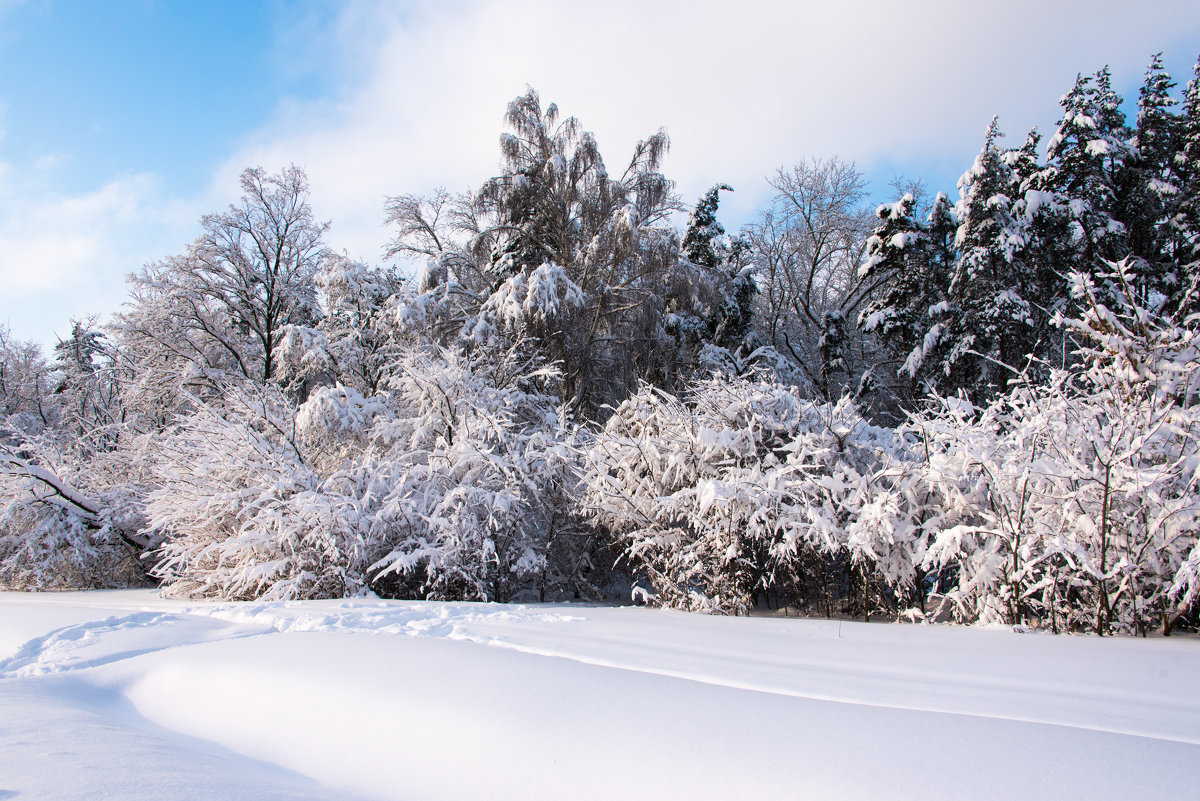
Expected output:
(741, 88)
(67, 256)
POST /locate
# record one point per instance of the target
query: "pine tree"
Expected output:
(721, 262)
(1085, 157)
(1043, 216)
(1185, 224)
(991, 324)
(1149, 190)
(704, 230)
(903, 251)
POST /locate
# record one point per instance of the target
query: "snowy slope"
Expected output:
(111, 695)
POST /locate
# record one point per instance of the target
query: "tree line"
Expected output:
(982, 410)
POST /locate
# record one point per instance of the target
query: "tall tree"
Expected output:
(993, 321)
(915, 263)
(808, 246)
(556, 250)
(1086, 157)
(222, 306)
(1150, 190)
(1185, 225)
(711, 299)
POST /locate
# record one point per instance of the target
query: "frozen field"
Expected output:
(122, 695)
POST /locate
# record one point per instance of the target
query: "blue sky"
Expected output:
(121, 122)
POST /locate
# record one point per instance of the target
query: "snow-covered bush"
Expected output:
(67, 522)
(483, 481)
(726, 492)
(243, 514)
(1075, 502)
(455, 483)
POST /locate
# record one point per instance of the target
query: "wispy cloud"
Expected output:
(64, 256)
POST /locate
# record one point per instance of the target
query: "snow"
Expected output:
(126, 695)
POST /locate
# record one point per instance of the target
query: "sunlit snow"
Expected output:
(125, 695)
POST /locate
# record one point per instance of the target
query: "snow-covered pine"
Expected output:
(1185, 225)
(915, 274)
(1085, 158)
(709, 298)
(991, 324)
(1149, 189)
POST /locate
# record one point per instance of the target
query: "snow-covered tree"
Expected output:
(357, 339)
(88, 376)
(1185, 225)
(557, 251)
(220, 310)
(992, 322)
(27, 386)
(68, 522)
(71, 477)
(915, 264)
(1074, 502)
(709, 296)
(1086, 157)
(1150, 186)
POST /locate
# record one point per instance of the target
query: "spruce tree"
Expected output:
(1185, 224)
(703, 229)
(1085, 158)
(900, 249)
(991, 323)
(1149, 191)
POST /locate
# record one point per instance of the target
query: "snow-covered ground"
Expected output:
(123, 695)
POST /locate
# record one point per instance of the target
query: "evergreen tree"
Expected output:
(1185, 224)
(721, 265)
(991, 322)
(700, 240)
(902, 250)
(1150, 187)
(1086, 155)
(1045, 220)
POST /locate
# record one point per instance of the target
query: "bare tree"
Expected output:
(223, 305)
(809, 244)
